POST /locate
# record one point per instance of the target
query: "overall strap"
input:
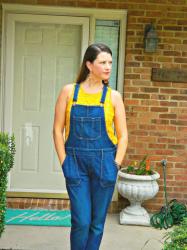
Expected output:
(76, 91)
(104, 94)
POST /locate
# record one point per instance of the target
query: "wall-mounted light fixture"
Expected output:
(150, 38)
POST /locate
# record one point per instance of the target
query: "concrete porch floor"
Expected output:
(116, 237)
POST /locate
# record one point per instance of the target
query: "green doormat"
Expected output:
(36, 217)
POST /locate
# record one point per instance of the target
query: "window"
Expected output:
(108, 31)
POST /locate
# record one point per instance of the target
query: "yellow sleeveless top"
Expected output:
(93, 99)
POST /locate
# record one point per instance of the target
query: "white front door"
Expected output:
(43, 54)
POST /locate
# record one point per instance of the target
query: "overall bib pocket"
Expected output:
(87, 128)
(70, 171)
(109, 170)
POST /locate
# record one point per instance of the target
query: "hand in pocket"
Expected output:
(63, 161)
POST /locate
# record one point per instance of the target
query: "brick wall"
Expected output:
(156, 111)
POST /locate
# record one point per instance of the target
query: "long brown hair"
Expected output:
(90, 55)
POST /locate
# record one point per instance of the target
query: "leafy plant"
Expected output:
(144, 167)
(7, 152)
(177, 239)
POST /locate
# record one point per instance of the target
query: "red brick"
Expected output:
(141, 82)
(136, 12)
(176, 147)
(181, 177)
(146, 20)
(159, 109)
(150, 102)
(169, 104)
(141, 96)
(179, 122)
(139, 132)
(149, 90)
(182, 22)
(66, 3)
(86, 4)
(159, 121)
(176, 14)
(143, 58)
(130, 33)
(132, 64)
(164, 59)
(174, 41)
(181, 165)
(147, 127)
(172, 27)
(180, 2)
(154, 14)
(181, 34)
(181, 116)
(172, 53)
(141, 109)
(108, 5)
(131, 89)
(167, 21)
(47, 2)
(183, 91)
(164, 33)
(182, 47)
(135, 26)
(142, 70)
(179, 98)
(166, 140)
(151, 64)
(180, 60)
(169, 116)
(157, 145)
(169, 91)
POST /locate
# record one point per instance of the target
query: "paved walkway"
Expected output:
(116, 237)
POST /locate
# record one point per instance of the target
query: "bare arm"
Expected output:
(120, 126)
(59, 121)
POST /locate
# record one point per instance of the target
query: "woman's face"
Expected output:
(101, 67)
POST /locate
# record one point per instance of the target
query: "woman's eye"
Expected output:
(105, 62)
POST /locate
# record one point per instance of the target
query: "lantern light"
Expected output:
(150, 38)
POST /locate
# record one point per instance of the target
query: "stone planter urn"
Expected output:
(136, 188)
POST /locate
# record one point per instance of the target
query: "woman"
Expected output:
(92, 153)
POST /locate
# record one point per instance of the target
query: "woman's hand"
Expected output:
(120, 126)
(118, 165)
(63, 159)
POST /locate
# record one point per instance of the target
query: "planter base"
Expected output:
(130, 217)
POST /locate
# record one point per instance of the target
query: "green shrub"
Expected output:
(177, 238)
(7, 152)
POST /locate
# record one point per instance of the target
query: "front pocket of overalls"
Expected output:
(109, 170)
(87, 128)
(70, 170)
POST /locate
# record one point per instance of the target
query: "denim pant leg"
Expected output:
(102, 188)
(78, 187)
(100, 202)
(80, 214)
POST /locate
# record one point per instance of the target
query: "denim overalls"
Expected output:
(90, 172)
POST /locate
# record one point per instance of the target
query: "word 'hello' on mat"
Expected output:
(37, 217)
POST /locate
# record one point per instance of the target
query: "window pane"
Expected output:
(107, 31)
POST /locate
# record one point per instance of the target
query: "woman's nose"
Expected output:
(108, 65)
